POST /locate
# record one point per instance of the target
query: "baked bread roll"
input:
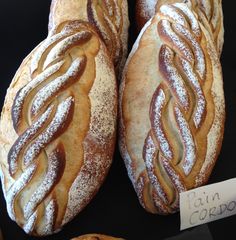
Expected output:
(109, 17)
(96, 237)
(57, 129)
(171, 108)
(209, 13)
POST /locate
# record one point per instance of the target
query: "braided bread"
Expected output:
(57, 129)
(209, 12)
(171, 108)
(109, 17)
(96, 237)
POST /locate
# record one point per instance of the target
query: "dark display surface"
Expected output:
(115, 210)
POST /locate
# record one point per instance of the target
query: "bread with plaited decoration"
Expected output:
(109, 17)
(57, 129)
(209, 13)
(172, 108)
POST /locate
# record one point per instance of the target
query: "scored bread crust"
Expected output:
(110, 18)
(96, 237)
(57, 129)
(171, 108)
(209, 12)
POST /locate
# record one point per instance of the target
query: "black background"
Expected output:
(115, 210)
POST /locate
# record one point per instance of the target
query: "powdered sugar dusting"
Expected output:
(50, 212)
(102, 96)
(172, 76)
(213, 139)
(23, 140)
(60, 49)
(149, 151)
(191, 17)
(15, 189)
(24, 92)
(102, 29)
(162, 209)
(147, 8)
(52, 88)
(197, 50)
(189, 158)
(150, 156)
(57, 124)
(173, 40)
(42, 132)
(29, 226)
(201, 101)
(101, 131)
(157, 108)
(173, 15)
(44, 48)
(186, 70)
(46, 186)
(139, 188)
(87, 182)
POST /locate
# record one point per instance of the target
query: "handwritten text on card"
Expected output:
(208, 203)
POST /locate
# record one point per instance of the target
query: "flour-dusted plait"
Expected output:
(57, 130)
(96, 237)
(171, 108)
(209, 13)
(109, 17)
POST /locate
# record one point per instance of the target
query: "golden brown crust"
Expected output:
(209, 12)
(171, 108)
(96, 237)
(58, 129)
(110, 18)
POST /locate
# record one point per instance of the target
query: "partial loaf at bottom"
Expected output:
(96, 237)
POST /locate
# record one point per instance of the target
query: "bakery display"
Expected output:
(96, 237)
(171, 108)
(115, 209)
(58, 129)
(110, 18)
(209, 13)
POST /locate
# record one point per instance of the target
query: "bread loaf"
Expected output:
(110, 18)
(96, 237)
(57, 129)
(171, 108)
(209, 13)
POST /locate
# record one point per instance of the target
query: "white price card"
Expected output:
(208, 203)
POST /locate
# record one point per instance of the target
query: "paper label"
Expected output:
(208, 203)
